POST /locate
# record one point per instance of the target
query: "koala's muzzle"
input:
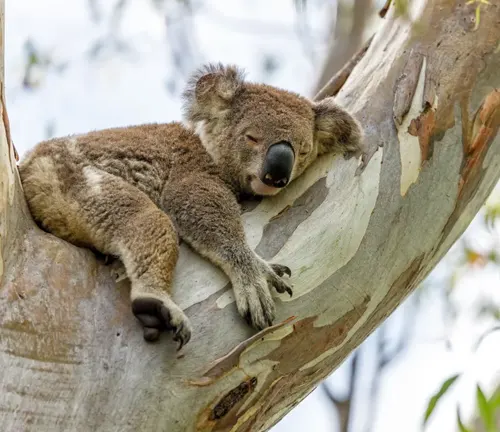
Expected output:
(278, 165)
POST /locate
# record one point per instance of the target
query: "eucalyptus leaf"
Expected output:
(433, 401)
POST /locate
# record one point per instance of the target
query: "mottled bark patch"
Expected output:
(231, 360)
(307, 342)
(302, 346)
(280, 228)
(280, 387)
(482, 132)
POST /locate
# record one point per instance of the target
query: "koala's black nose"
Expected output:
(278, 165)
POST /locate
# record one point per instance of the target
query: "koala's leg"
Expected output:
(103, 212)
(207, 217)
(132, 227)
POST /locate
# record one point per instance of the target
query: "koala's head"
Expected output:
(262, 136)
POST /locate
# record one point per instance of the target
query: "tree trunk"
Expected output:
(358, 241)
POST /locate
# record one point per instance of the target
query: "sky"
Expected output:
(77, 95)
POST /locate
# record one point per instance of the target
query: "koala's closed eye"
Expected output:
(252, 139)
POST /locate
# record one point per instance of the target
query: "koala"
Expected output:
(135, 192)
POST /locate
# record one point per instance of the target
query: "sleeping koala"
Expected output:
(132, 192)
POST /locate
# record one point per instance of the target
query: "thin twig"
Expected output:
(344, 406)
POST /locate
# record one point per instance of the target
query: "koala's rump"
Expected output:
(51, 177)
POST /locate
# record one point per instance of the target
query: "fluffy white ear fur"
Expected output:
(210, 91)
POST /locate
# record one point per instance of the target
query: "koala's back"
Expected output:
(62, 176)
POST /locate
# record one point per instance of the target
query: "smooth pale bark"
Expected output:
(72, 356)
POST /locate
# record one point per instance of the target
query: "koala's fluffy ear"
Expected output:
(210, 91)
(336, 131)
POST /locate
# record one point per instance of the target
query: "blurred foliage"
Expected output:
(472, 259)
(488, 409)
(437, 397)
(37, 63)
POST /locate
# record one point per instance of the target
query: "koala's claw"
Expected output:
(275, 280)
(258, 322)
(281, 269)
(281, 286)
(156, 315)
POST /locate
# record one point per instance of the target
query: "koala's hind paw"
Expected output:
(156, 315)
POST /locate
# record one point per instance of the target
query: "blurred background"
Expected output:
(73, 66)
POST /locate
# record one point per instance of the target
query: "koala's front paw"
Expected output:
(255, 303)
(157, 315)
(254, 300)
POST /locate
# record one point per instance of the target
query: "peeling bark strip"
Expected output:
(423, 128)
(484, 128)
(62, 317)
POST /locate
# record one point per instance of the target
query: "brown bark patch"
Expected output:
(307, 342)
(423, 128)
(484, 129)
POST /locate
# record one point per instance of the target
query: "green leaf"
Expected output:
(435, 399)
(485, 410)
(495, 400)
(461, 426)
